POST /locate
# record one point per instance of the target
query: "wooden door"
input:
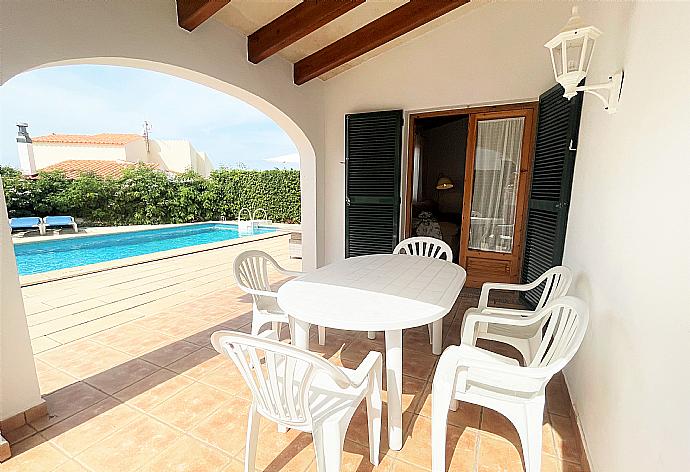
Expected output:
(497, 170)
(373, 145)
(552, 178)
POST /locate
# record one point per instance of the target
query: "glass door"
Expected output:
(496, 172)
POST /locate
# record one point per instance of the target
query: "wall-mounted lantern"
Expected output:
(571, 52)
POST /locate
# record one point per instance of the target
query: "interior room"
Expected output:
(440, 145)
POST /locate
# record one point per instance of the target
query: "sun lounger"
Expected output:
(60, 222)
(27, 223)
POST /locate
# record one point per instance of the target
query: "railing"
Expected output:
(248, 226)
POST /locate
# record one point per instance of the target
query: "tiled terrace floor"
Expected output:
(145, 391)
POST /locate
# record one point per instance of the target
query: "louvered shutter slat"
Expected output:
(552, 174)
(372, 182)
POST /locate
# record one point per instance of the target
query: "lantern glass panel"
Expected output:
(574, 54)
(557, 55)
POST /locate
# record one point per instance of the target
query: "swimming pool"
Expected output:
(44, 256)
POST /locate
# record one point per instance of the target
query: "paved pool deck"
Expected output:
(66, 310)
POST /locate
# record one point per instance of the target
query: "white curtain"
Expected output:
(496, 173)
(417, 169)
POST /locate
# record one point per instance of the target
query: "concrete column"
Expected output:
(19, 391)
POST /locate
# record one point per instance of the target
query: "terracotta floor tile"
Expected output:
(53, 379)
(566, 438)
(89, 426)
(169, 353)
(292, 451)
(400, 466)
(498, 455)
(189, 455)
(190, 406)
(33, 454)
(67, 401)
(83, 359)
(358, 430)
(413, 393)
(355, 458)
(153, 390)
(139, 341)
(18, 434)
(416, 448)
(129, 448)
(497, 425)
(557, 399)
(121, 376)
(416, 364)
(567, 466)
(199, 363)
(467, 414)
(71, 466)
(234, 466)
(226, 428)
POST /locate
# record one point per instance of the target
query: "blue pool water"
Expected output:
(33, 258)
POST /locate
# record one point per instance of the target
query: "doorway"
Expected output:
(467, 184)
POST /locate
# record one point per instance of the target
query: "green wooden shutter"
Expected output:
(373, 144)
(552, 178)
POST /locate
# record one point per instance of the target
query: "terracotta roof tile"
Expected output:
(73, 168)
(108, 139)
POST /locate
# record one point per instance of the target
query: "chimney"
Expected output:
(26, 150)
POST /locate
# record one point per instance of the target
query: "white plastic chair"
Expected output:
(481, 377)
(301, 390)
(251, 274)
(525, 339)
(425, 247)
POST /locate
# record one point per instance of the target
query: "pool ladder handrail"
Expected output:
(254, 218)
(239, 214)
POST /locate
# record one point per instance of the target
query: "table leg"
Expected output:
(437, 337)
(301, 334)
(394, 387)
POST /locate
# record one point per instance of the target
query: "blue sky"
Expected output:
(85, 99)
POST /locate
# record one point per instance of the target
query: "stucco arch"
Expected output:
(146, 35)
(299, 138)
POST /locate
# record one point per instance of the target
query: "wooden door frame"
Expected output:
(531, 111)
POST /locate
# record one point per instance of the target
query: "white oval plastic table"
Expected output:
(385, 292)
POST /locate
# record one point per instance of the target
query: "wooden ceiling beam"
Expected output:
(191, 13)
(293, 25)
(402, 20)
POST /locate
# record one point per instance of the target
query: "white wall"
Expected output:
(628, 232)
(136, 150)
(494, 54)
(47, 154)
(146, 35)
(19, 389)
(178, 156)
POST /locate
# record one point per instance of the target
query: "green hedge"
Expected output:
(145, 196)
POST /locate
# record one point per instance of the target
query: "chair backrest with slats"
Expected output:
(425, 246)
(556, 284)
(566, 320)
(278, 375)
(251, 271)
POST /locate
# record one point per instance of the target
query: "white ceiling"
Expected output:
(248, 16)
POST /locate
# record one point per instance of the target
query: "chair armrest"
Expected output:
(291, 273)
(488, 286)
(372, 362)
(269, 334)
(507, 311)
(474, 317)
(261, 293)
(456, 357)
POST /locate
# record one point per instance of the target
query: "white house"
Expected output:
(81, 153)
